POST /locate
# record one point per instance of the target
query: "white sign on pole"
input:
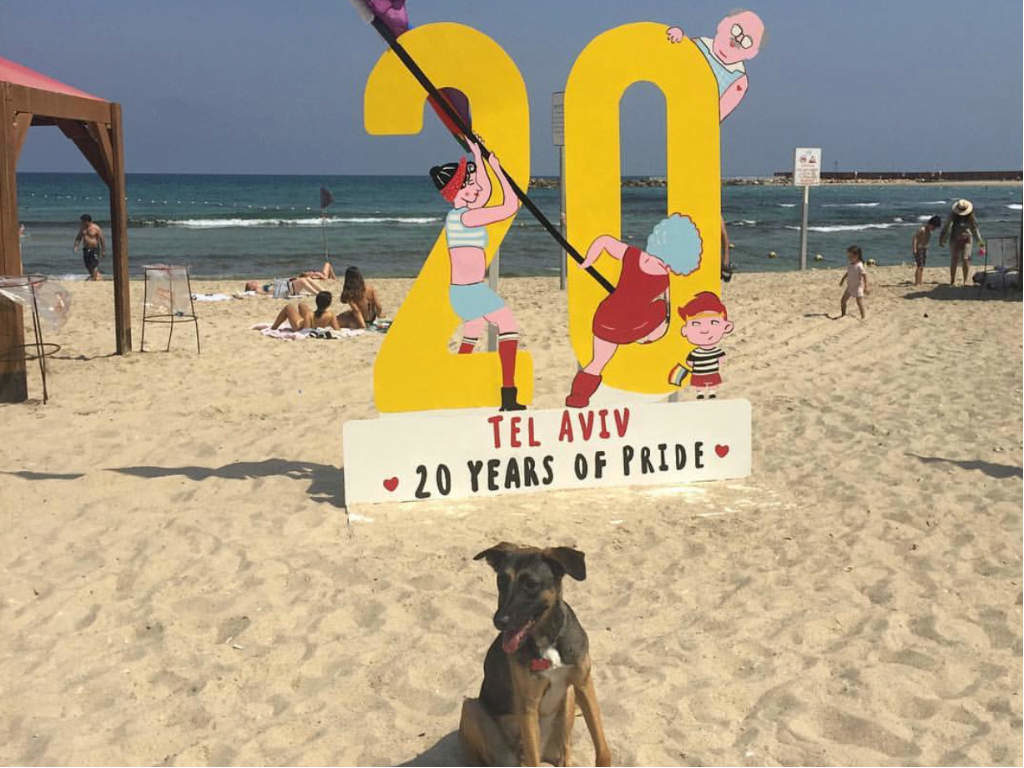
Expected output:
(558, 118)
(807, 167)
(480, 453)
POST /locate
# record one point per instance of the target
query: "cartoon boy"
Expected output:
(737, 39)
(705, 324)
(638, 309)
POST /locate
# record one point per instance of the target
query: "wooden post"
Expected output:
(119, 235)
(13, 385)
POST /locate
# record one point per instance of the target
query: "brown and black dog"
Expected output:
(537, 669)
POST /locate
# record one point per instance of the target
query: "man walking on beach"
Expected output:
(93, 245)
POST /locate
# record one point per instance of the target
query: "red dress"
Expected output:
(636, 306)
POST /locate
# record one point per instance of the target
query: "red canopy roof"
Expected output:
(13, 72)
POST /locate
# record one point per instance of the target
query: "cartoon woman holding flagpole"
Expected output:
(468, 188)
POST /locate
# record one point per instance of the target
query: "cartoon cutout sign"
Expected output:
(468, 190)
(639, 308)
(633, 442)
(737, 39)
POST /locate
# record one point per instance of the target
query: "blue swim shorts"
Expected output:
(474, 300)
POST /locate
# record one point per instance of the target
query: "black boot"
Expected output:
(508, 400)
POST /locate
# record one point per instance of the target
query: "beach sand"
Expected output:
(182, 584)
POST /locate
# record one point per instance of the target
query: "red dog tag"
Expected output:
(539, 665)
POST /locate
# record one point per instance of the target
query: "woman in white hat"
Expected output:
(958, 229)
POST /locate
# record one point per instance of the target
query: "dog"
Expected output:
(538, 667)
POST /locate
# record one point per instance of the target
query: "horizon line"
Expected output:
(770, 175)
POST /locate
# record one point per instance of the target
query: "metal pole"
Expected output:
(561, 212)
(492, 280)
(803, 230)
(456, 119)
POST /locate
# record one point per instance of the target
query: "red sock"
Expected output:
(467, 346)
(507, 354)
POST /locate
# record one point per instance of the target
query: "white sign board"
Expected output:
(807, 167)
(558, 118)
(478, 453)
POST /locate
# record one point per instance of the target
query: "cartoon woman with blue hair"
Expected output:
(638, 310)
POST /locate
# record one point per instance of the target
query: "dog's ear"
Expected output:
(496, 554)
(569, 560)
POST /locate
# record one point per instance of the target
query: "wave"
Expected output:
(846, 227)
(1014, 206)
(787, 205)
(307, 222)
(850, 205)
(933, 202)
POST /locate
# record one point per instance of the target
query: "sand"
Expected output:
(183, 585)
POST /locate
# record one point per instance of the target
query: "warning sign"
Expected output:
(807, 167)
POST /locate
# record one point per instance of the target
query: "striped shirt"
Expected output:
(703, 361)
(459, 234)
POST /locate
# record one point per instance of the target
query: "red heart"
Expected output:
(391, 483)
(721, 450)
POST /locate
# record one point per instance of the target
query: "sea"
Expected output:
(256, 226)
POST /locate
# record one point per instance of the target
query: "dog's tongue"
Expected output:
(510, 641)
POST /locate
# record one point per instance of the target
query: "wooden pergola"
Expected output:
(29, 98)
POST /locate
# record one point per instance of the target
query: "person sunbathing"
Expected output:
(296, 286)
(364, 306)
(326, 272)
(300, 316)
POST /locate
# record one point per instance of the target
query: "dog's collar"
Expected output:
(549, 657)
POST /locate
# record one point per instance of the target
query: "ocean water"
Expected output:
(266, 226)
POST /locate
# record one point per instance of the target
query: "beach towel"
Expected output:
(285, 332)
(210, 297)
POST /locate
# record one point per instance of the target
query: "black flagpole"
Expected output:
(416, 72)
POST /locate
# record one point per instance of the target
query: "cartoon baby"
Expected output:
(705, 323)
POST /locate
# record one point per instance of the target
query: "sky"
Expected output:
(254, 86)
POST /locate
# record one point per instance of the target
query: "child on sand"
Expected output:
(919, 246)
(856, 279)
